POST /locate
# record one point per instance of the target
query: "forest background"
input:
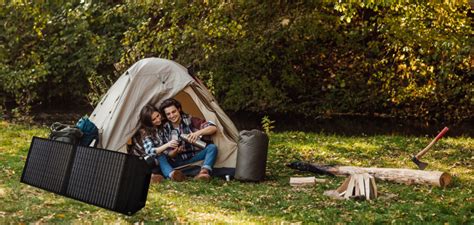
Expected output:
(400, 59)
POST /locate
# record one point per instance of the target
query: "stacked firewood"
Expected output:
(358, 186)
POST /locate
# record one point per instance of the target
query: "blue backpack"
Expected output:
(89, 130)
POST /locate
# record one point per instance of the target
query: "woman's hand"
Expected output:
(172, 144)
(173, 153)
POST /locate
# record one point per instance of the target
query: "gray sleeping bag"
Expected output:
(252, 155)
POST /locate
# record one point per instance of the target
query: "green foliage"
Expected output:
(270, 201)
(21, 68)
(400, 58)
(187, 33)
(421, 63)
(98, 88)
(50, 52)
(267, 124)
(388, 57)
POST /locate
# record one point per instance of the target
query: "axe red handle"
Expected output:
(439, 136)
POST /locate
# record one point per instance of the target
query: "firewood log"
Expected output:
(404, 176)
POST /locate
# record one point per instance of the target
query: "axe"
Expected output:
(416, 158)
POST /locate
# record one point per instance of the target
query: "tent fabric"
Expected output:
(153, 80)
(220, 139)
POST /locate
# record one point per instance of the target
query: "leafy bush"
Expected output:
(51, 52)
(21, 68)
(421, 60)
(404, 59)
(400, 59)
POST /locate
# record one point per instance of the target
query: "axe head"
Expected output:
(421, 165)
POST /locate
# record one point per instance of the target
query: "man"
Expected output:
(186, 153)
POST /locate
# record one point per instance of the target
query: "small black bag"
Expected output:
(65, 133)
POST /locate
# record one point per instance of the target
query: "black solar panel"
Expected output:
(104, 178)
(48, 164)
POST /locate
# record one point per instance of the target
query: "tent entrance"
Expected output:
(188, 104)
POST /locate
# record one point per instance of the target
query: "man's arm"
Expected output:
(210, 130)
(206, 128)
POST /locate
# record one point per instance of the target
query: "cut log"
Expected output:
(357, 190)
(319, 180)
(302, 181)
(361, 187)
(372, 183)
(343, 186)
(369, 192)
(404, 176)
(350, 188)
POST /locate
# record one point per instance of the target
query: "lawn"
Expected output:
(271, 201)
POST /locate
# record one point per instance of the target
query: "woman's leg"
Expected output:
(165, 166)
(168, 171)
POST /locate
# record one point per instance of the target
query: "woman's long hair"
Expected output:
(146, 122)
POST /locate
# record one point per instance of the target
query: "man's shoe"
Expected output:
(177, 176)
(156, 178)
(203, 176)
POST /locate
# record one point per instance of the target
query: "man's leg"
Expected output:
(208, 154)
(209, 160)
(210, 157)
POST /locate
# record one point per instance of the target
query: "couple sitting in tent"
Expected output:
(160, 139)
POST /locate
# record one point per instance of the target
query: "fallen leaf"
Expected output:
(3, 192)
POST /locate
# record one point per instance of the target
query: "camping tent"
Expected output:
(153, 80)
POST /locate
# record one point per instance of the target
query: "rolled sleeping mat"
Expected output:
(252, 155)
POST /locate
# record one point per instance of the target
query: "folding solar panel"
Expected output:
(100, 177)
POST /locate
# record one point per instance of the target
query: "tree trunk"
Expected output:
(405, 176)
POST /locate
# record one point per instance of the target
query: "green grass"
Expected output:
(271, 201)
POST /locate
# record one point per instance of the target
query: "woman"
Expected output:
(150, 120)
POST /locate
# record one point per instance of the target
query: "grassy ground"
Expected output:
(272, 200)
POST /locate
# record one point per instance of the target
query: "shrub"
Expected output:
(404, 59)
(51, 52)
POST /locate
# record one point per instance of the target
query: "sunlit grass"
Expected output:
(271, 201)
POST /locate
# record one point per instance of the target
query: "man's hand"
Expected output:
(193, 137)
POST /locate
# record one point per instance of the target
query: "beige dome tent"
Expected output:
(153, 80)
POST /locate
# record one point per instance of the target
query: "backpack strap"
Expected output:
(56, 126)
